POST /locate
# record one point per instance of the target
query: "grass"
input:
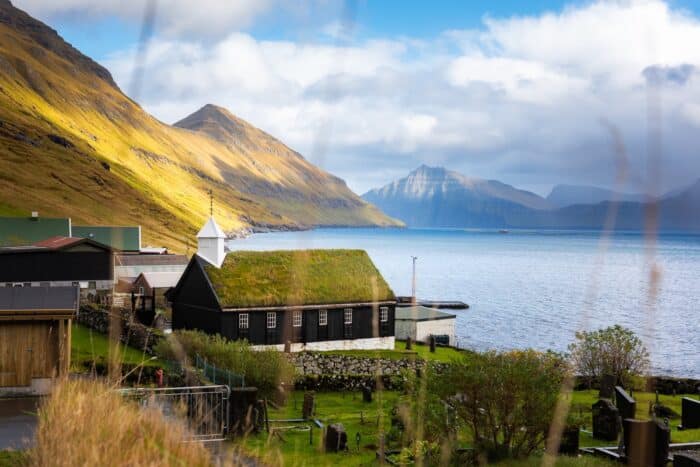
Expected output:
(331, 407)
(582, 401)
(89, 346)
(562, 461)
(441, 354)
(251, 278)
(10, 458)
(86, 423)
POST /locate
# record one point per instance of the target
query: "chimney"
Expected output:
(211, 243)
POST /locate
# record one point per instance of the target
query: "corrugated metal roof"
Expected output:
(161, 279)
(421, 313)
(58, 242)
(38, 298)
(150, 260)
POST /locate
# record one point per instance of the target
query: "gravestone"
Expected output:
(569, 441)
(607, 387)
(690, 413)
(242, 405)
(287, 347)
(606, 420)
(646, 443)
(625, 403)
(366, 393)
(686, 459)
(433, 343)
(336, 438)
(409, 343)
(307, 410)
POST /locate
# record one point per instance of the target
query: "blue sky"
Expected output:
(527, 92)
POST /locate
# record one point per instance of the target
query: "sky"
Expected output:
(531, 93)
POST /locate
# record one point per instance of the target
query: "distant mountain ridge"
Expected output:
(568, 195)
(72, 144)
(436, 197)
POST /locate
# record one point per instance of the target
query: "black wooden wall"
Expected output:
(56, 266)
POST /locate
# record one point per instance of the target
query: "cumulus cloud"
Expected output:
(519, 99)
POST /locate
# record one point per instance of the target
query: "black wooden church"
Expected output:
(312, 299)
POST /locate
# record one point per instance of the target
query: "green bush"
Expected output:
(264, 369)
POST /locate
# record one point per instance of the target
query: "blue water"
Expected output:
(536, 289)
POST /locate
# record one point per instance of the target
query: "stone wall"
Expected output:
(316, 363)
(132, 332)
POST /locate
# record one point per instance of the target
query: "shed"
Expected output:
(420, 322)
(159, 282)
(35, 337)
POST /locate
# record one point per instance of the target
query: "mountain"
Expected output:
(436, 197)
(568, 195)
(72, 144)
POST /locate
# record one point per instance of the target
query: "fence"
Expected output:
(204, 408)
(218, 375)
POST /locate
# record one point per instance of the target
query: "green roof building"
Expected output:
(120, 238)
(27, 230)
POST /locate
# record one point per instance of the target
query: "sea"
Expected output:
(537, 288)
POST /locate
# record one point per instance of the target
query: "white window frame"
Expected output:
(296, 318)
(243, 321)
(141, 290)
(347, 316)
(384, 314)
(323, 317)
(271, 320)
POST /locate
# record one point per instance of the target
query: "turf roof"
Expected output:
(299, 277)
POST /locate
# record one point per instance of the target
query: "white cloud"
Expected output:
(519, 99)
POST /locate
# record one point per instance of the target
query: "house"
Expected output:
(419, 323)
(150, 283)
(312, 299)
(35, 337)
(59, 262)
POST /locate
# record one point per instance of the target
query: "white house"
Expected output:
(420, 322)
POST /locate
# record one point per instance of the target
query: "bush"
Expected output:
(264, 369)
(86, 423)
(507, 401)
(614, 350)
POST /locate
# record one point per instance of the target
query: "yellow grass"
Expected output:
(86, 423)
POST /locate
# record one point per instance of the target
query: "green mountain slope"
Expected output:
(72, 144)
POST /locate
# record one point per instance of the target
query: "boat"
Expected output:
(503, 231)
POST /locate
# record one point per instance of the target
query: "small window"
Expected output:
(296, 318)
(243, 321)
(348, 316)
(384, 314)
(322, 317)
(27, 284)
(271, 320)
(92, 285)
(140, 290)
(75, 284)
(45, 284)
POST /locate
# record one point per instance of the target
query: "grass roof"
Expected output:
(297, 277)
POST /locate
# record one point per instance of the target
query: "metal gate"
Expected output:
(204, 409)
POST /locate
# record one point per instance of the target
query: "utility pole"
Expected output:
(413, 282)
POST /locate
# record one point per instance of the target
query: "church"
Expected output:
(296, 299)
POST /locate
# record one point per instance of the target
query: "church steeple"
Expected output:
(211, 242)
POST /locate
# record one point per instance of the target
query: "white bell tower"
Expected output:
(211, 243)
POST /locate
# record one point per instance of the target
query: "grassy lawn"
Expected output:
(442, 354)
(13, 458)
(368, 419)
(582, 401)
(88, 346)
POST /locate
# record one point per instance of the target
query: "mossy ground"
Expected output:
(90, 347)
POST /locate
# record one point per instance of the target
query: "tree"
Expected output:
(507, 400)
(614, 350)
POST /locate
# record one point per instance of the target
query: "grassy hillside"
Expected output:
(72, 144)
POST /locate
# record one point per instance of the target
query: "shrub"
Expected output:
(614, 350)
(264, 369)
(86, 423)
(506, 400)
